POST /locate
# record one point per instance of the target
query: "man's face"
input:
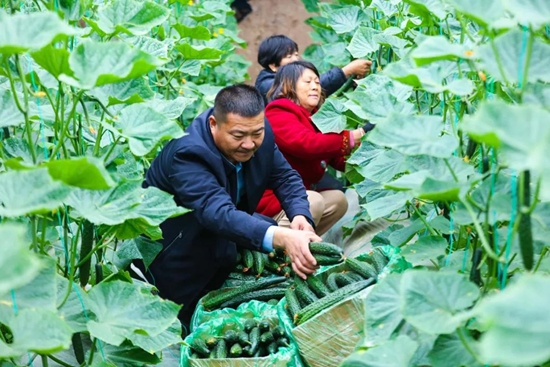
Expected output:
(238, 137)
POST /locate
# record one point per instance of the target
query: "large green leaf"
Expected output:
(98, 63)
(136, 122)
(155, 344)
(171, 109)
(430, 77)
(130, 16)
(524, 146)
(398, 45)
(382, 310)
(108, 207)
(438, 48)
(384, 167)
(376, 106)
(18, 266)
(121, 309)
(379, 83)
(198, 52)
(152, 46)
(533, 12)
(155, 207)
(362, 43)
(30, 191)
(517, 333)
(485, 13)
(27, 32)
(137, 248)
(336, 54)
(511, 53)
(414, 135)
(394, 353)
(130, 208)
(37, 330)
(198, 32)
(346, 19)
(9, 114)
(433, 301)
(449, 351)
(54, 60)
(423, 7)
(387, 204)
(84, 172)
(40, 292)
(330, 118)
(125, 355)
(386, 7)
(426, 248)
(73, 311)
(128, 92)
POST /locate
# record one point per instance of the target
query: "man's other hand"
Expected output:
(296, 245)
(300, 223)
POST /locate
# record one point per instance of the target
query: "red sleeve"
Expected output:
(338, 163)
(295, 135)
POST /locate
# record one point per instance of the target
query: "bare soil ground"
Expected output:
(270, 17)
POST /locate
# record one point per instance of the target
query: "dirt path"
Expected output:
(271, 17)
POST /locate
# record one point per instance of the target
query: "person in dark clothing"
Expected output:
(220, 169)
(241, 8)
(279, 50)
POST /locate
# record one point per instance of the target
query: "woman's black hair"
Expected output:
(284, 84)
(273, 49)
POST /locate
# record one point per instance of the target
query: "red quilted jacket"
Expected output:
(306, 149)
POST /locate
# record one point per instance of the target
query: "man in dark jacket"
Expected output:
(220, 170)
(279, 50)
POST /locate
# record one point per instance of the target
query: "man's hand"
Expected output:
(296, 245)
(359, 68)
(300, 223)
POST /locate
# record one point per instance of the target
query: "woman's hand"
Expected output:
(357, 134)
(359, 68)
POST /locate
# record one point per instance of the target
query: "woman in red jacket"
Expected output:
(295, 95)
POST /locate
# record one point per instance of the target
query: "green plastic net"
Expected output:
(234, 319)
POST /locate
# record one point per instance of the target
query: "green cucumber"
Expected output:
(248, 259)
(292, 302)
(259, 262)
(343, 279)
(273, 267)
(266, 337)
(325, 248)
(326, 302)
(211, 341)
(239, 258)
(250, 324)
(278, 331)
(272, 347)
(379, 260)
(258, 295)
(254, 338)
(365, 269)
(221, 349)
(283, 342)
(213, 302)
(328, 260)
(317, 286)
(331, 282)
(305, 295)
(199, 346)
(235, 351)
(355, 276)
(525, 232)
(265, 325)
(231, 336)
(243, 338)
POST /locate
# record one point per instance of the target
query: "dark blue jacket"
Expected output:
(331, 81)
(200, 244)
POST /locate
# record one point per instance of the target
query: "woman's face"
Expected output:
(308, 90)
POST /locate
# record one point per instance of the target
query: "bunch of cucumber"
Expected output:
(252, 265)
(255, 339)
(305, 299)
(265, 289)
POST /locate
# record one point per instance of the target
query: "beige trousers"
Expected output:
(326, 207)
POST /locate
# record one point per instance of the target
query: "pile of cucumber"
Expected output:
(255, 339)
(305, 299)
(252, 265)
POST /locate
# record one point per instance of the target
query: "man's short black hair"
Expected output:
(240, 99)
(273, 49)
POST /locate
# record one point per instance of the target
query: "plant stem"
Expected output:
(65, 126)
(44, 360)
(421, 217)
(59, 361)
(541, 257)
(466, 345)
(484, 242)
(528, 54)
